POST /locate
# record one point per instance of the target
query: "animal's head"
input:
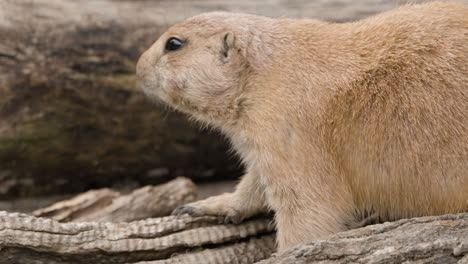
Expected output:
(199, 66)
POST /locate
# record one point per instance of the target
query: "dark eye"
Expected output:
(174, 44)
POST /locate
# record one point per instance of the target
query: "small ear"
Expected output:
(228, 43)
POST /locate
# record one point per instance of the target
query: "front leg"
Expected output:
(247, 200)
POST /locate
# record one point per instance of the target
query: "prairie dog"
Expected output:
(333, 121)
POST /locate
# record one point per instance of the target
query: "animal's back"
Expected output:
(400, 129)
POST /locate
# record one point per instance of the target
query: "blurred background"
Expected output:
(72, 116)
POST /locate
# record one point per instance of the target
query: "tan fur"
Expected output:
(334, 122)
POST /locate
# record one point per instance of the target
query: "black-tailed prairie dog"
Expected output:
(334, 122)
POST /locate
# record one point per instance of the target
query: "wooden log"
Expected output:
(243, 252)
(434, 239)
(185, 239)
(27, 239)
(105, 205)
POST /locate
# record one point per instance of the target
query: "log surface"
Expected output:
(105, 205)
(26, 239)
(438, 239)
(184, 240)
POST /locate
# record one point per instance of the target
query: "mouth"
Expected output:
(156, 93)
(149, 90)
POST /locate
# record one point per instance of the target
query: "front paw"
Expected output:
(223, 205)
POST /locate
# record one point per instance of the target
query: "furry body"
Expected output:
(334, 122)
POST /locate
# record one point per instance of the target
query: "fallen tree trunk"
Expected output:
(438, 239)
(105, 205)
(187, 240)
(26, 239)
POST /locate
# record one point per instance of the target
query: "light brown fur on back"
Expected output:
(334, 122)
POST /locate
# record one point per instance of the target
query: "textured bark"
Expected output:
(441, 239)
(184, 239)
(105, 205)
(26, 239)
(242, 252)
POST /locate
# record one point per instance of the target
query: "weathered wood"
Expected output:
(249, 251)
(184, 239)
(26, 239)
(105, 205)
(441, 239)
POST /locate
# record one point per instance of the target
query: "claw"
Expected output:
(184, 209)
